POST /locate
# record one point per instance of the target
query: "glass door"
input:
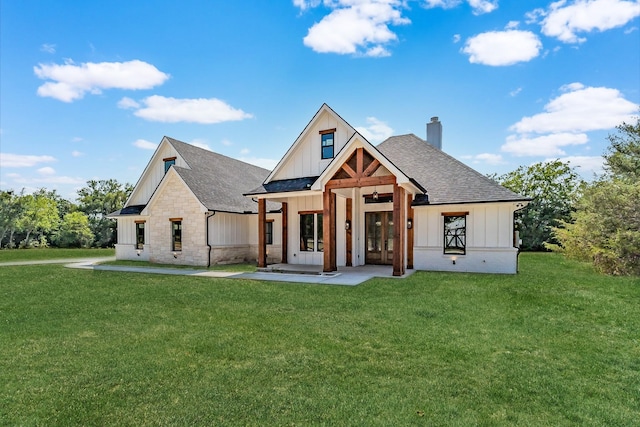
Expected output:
(379, 241)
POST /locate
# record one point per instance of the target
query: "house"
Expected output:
(333, 200)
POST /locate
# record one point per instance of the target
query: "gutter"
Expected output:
(209, 214)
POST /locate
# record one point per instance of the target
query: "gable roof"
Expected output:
(218, 181)
(446, 179)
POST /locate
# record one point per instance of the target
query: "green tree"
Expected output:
(553, 187)
(98, 199)
(10, 212)
(605, 229)
(39, 215)
(74, 231)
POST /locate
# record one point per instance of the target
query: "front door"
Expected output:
(379, 229)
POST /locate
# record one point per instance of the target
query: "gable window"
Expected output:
(176, 234)
(139, 234)
(326, 138)
(311, 232)
(455, 232)
(168, 162)
(268, 232)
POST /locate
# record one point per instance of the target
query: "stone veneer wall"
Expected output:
(176, 201)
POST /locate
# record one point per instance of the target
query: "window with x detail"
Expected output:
(455, 231)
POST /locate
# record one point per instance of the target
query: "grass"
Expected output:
(555, 345)
(11, 255)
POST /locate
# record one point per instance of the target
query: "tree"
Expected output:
(10, 212)
(605, 229)
(553, 187)
(97, 200)
(39, 215)
(74, 231)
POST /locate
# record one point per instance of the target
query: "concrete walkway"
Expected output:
(347, 276)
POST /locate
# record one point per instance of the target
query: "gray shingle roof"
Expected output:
(446, 179)
(219, 181)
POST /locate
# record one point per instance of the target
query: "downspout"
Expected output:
(514, 233)
(209, 214)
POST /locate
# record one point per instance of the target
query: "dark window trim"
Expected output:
(317, 231)
(174, 221)
(331, 132)
(268, 231)
(140, 245)
(457, 236)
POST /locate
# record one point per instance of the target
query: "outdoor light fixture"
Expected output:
(453, 260)
(409, 223)
(175, 254)
(347, 224)
(375, 195)
(138, 252)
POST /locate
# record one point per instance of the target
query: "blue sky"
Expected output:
(89, 88)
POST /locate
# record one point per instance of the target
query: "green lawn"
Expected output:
(11, 255)
(555, 345)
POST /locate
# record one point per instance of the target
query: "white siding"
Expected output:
(154, 174)
(306, 160)
(489, 239)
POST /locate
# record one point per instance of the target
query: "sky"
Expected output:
(88, 88)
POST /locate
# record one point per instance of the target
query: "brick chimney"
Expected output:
(434, 133)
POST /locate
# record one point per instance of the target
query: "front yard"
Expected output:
(554, 345)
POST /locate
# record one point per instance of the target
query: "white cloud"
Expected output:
(565, 20)
(226, 142)
(478, 6)
(8, 160)
(46, 180)
(77, 139)
(355, 27)
(587, 166)
(546, 145)
(127, 103)
(71, 82)
(580, 109)
(244, 151)
(48, 48)
(263, 163)
(488, 158)
(76, 153)
(515, 92)
(375, 131)
(144, 144)
(499, 48)
(171, 110)
(47, 170)
(456, 38)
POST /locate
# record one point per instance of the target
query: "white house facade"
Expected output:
(333, 200)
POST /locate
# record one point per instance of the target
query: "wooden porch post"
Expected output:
(262, 241)
(399, 227)
(285, 233)
(349, 239)
(329, 231)
(410, 232)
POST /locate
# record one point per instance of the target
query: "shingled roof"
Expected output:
(219, 181)
(446, 179)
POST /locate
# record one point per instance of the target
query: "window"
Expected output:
(268, 232)
(139, 234)
(168, 162)
(455, 233)
(176, 235)
(311, 232)
(326, 137)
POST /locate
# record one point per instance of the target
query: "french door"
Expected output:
(379, 241)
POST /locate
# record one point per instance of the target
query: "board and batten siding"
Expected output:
(306, 158)
(489, 239)
(154, 174)
(126, 243)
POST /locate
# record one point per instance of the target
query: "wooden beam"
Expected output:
(372, 168)
(349, 233)
(262, 241)
(369, 181)
(398, 230)
(359, 160)
(410, 232)
(349, 171)
(285, 233)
